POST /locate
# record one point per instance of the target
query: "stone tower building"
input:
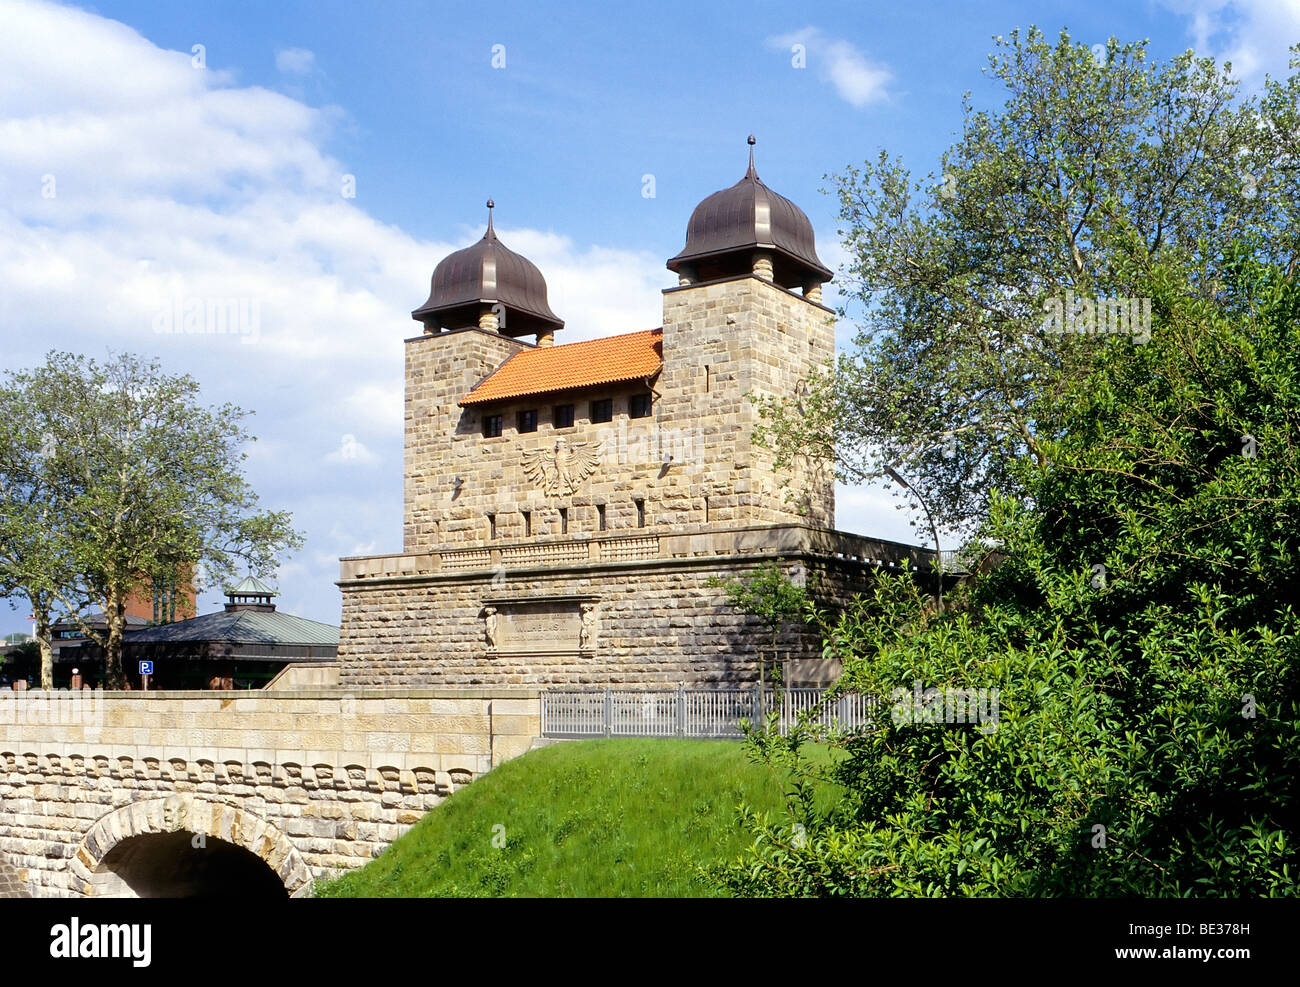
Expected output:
(567, 505)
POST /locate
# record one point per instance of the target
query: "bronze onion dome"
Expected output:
(729, 226)
(478, 279)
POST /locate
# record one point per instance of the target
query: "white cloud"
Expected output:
(175, 191)
(374, 406)
(295, 61)
(857, 79)
(101, 64)
(1254, 35)
(598, 291)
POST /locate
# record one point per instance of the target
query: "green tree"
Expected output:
(148, 486)
(36, 558)
(771, 596)
(1143, 637)
(1094, 160)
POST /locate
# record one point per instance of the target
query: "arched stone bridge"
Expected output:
(221, 793)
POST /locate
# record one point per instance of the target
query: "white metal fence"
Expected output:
(701, 713)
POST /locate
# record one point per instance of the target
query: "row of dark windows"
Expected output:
(564, 519)
(638, 406)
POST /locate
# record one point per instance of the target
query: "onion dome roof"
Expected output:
(746, 217)
(488, 273)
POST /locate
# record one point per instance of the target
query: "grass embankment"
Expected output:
(600, 818)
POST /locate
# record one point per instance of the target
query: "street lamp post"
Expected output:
(938, 554)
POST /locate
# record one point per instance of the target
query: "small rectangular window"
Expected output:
(563, 415)
(491, 426)
(564, 520)
(639, 406)
(640, 512)
(528, 421)
(706, 510)
(528, 523)
(602, 411)
(600, 517)
(492, 525)
(708, 381)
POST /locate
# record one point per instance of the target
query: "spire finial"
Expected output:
(490, 232)
(751, 142)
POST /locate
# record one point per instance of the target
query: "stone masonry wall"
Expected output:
(659, 623)
(751, 335)
(723, 342)
(340, 774)
(441, 368)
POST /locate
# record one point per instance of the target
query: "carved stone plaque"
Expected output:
(534, 626)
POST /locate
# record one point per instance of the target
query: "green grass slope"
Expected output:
(599, 818)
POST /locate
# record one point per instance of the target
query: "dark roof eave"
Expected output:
(425, 312)
(313, 654)
(823, 273)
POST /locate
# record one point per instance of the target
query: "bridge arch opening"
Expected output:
(184, 865)
(183, 846)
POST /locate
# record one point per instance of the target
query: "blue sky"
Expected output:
(137, 174)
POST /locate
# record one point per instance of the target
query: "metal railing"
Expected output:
(698, 713)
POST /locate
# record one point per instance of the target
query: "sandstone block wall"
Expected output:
(670, 499)
(721, 342)
(659, 622)
(441, 368)
(724, 342)
(341, 774)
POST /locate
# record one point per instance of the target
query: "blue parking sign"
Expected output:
(146, 668)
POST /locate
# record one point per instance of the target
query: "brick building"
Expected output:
(567, 505)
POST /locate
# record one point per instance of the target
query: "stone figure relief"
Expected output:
(587, 628)
(490, 620)
(562, 470)
(176, 812)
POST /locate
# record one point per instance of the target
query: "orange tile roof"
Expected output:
(545, 369)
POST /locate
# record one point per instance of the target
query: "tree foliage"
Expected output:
(1142, 636)
(769, 595)
(1142, 632)
(1095, 168)
(37, 562)
(139, 486)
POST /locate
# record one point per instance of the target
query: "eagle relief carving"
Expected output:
(560, 471)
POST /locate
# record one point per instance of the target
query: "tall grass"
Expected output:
(597, 818)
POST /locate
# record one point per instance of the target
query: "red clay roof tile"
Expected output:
(546, 369)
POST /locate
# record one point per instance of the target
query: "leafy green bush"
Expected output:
(1141, 637)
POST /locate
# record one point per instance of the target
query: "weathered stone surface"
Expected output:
(721, 342)
(303, 811)
(604, 579)
(13, 880)
(660, 624)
